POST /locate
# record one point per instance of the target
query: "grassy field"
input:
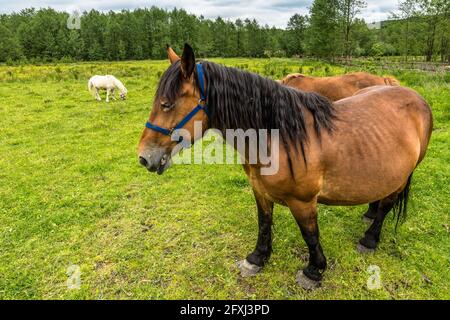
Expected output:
(72, 193)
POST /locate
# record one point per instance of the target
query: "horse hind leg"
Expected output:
(372, 236)
(371, 212)
(399, 200)
(258, 258)
(97, 95)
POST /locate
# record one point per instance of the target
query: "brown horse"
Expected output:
(362, 149)
(337, 87)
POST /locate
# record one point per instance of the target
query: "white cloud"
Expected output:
(271, 12)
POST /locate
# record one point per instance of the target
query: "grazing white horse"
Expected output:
(108, 82)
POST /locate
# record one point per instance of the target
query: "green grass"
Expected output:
(72, 192)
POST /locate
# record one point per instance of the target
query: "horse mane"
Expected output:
(119, 85)
(244, 100)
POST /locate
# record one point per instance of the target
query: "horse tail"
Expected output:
(289, 77)
(400, 208)
(389, 81)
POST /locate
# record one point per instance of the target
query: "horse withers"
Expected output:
(108, 83)
(361, 149)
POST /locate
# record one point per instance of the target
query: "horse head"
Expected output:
(178, 99)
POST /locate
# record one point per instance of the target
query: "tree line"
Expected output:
(330, 30)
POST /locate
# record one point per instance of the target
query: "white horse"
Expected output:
(108, 82)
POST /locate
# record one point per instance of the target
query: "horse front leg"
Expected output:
(113, 94)
(305, 214)
(107, 94)
(256, 260)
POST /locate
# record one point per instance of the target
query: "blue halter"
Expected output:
(182, 123)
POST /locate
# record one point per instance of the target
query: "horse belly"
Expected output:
(363, 186)
(371, 159)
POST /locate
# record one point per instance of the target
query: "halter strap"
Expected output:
(201, 82)
(190, 115)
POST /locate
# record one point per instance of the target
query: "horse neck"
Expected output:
(119, 85)
(233, 103)
(242, 100)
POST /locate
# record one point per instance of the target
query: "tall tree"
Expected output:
(324, 28)
(10, 45)
(240, 38)
(112, 38)
(362, 38)
(93, 26)
(407, 12)
(349, 9)
(296, 33)
(444, 31)
(432, 12)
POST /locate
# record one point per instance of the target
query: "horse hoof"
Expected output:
(364, 249)
(248, 269)
(306, 283)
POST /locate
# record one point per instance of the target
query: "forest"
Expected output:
(331, 29)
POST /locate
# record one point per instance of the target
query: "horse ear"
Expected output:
(173, 57)
(187, 61)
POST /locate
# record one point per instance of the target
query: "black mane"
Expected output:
(240, 99)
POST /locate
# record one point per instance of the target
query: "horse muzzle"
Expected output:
(156, 162)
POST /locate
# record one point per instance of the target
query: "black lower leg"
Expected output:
(305, 214)
(371, 212)
(317, 261)
(263, 249)
(372, 235)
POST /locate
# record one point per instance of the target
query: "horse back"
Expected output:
(388, 105)
(337, 87)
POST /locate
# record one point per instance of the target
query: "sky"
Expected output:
(271, 12)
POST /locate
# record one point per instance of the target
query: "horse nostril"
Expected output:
(143, 162)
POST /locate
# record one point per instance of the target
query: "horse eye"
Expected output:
(166, 106)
